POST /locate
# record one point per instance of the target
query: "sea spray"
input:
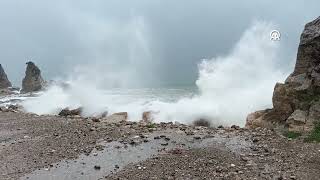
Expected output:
(229, 87)
(234, 85)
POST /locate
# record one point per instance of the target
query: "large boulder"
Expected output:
(4, 81)
(297, 120)
(33, 80)
(296, 102)
(257, 119)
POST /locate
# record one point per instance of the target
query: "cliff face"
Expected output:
(4, 81)
(33, 80)
(296, 103)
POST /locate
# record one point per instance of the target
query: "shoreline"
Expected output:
(30, 143)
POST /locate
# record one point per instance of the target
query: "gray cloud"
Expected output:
(162, 40)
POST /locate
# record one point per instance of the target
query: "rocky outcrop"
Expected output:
(4, 81)
(296, 102)
(33, 80)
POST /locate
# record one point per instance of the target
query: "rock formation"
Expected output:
(296, 103)
(33, 80)
(4, 82)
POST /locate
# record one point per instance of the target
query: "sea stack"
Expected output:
(296, 103)
(4, 81)
(33, 80)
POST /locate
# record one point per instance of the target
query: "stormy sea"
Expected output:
(227, 89)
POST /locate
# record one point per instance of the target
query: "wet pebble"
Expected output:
(197, 137)
(164, 144)
(97, 167)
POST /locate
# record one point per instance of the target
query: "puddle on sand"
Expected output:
(116, 155)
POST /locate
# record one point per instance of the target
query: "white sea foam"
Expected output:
(229, 86)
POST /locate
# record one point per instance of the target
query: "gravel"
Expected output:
(29, 142)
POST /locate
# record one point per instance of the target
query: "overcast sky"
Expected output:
(171, 36)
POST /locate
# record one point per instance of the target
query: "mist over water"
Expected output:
(234, 85)
(228, 87)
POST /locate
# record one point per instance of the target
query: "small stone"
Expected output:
(97, 167)
(164, 144)
(95, 119)
(26, 137)
(293, 177)
(245, 159)
(235, 127)
(233, 165)
(255, 140)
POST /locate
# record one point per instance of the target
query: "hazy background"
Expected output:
(158, 41)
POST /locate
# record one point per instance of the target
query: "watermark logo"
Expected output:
(275, 35)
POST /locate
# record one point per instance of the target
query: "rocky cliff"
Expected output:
(4, 81)
(33, 80)
(296, 103)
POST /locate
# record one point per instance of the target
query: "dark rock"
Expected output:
(235, 127)
(13, 107)
(94, 119)
(4, 81)
(6, 92)
(67, 112)
(33, 80)
(163, 136)
(97, 167)
(202, 122)
(104, 114)
(255, 140)
(164, 144)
